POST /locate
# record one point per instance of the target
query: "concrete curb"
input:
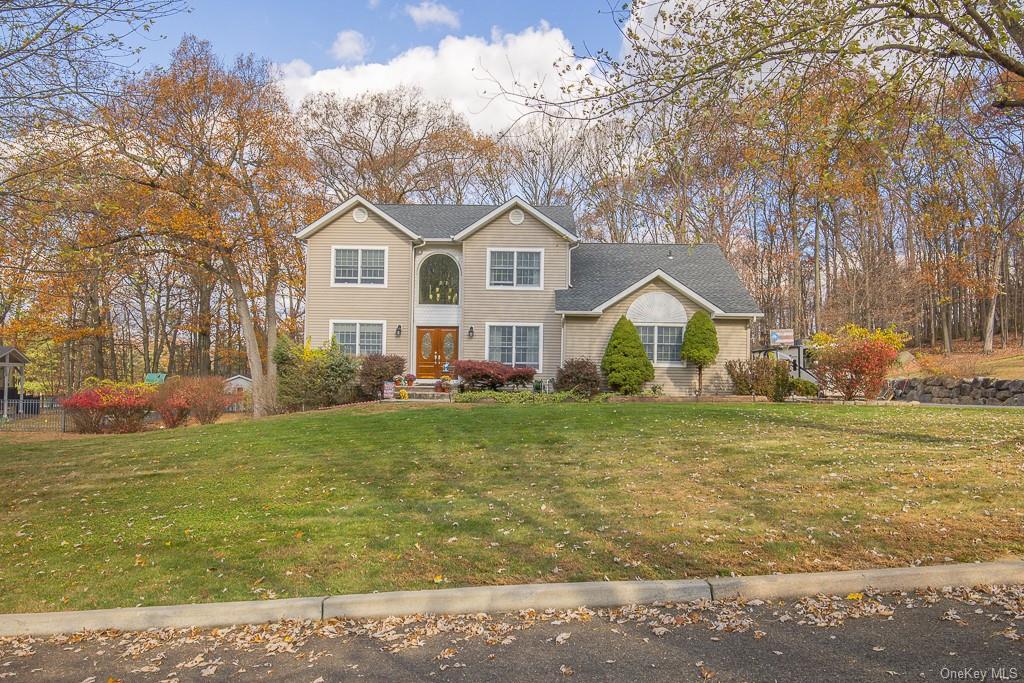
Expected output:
(782, 586)
(164, 616)
(512, 598)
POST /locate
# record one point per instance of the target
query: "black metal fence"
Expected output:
(36, 414)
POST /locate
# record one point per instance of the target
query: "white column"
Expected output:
(7, 382)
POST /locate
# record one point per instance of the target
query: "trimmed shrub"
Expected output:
(802, 387)
(700, 345)
(516, 397)
(375, 370)
(103, 407)
(478, 375)
(740, 373)
(855, 360)
(625, 363)
(170, 400)
(579, 375)
(309, 378)
(519, 377)
(207, 398)
(760, 377)
(779, 388)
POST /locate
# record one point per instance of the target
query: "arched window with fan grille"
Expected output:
(439, 281)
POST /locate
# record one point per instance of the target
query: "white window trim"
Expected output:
(664, 364)
(360, 248)
(357, 323)
(540, 341)
(515, 267)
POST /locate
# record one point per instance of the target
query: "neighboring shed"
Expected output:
(238, 383)
(12, 361)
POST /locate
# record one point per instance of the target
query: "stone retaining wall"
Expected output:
(985, 391)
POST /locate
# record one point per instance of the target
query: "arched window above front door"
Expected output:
(439, 280)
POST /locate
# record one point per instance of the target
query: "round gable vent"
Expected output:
(516, 216)
(359, 215)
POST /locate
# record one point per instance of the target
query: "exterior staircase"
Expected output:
(424, 392)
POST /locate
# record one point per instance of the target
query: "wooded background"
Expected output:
(147, 226)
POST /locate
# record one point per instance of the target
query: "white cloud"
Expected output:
(467, 71)
(350, 46)
(429, 13)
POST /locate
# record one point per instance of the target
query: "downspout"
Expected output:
(412, 306)
(568, 285)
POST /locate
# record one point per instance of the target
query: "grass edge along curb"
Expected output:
(511, 598)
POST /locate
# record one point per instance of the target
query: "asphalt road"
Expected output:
(944, 640)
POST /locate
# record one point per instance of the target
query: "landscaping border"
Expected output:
(512, 598)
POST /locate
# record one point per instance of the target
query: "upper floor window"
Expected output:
(360, 266)
(515, 268)
(439, 280)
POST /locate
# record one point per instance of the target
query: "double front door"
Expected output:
(436, 349)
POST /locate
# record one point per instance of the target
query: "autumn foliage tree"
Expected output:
(217, 149)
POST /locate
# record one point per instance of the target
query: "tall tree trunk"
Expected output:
(204, 320)
(264, 389)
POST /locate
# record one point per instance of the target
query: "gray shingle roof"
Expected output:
(433, 221)
(600, 271)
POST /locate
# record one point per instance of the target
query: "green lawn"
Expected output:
(382, 499)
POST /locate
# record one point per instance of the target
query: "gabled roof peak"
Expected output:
(447, 221)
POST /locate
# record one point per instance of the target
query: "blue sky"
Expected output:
(306, 29)
(459, 51)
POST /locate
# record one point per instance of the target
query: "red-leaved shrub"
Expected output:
(109, 407)
(171, 401)
(207, 398)
(579, 375)
(856, 367)
(519, 377)
(487, 374)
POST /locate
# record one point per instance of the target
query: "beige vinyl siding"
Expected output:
(586, 337)
(481, 305)
(391, 303)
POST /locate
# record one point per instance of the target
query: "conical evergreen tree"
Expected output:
(700, 345)
(625, 364)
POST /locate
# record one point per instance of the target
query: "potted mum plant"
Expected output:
(443, 385)
(410, 379)
(399, 380)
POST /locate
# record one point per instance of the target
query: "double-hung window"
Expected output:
(359, 338)
(515, 268)
(515, 345)
(360, 266)
(663, 343)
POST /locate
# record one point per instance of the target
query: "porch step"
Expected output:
(424, 394)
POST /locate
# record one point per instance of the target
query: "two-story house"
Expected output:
(511, 283)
